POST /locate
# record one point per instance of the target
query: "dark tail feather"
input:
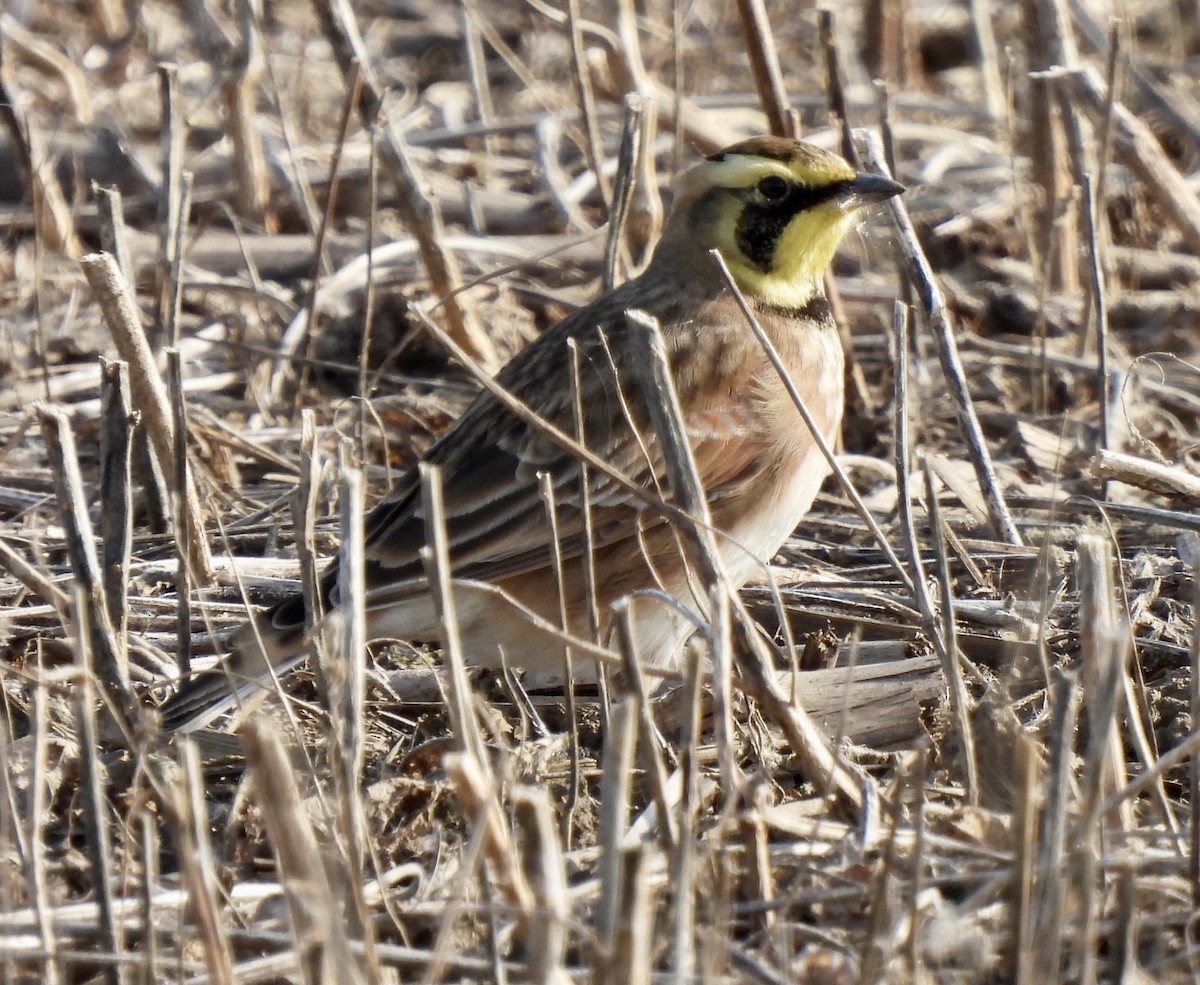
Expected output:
(271, 644)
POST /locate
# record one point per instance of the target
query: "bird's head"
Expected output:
(776, 209)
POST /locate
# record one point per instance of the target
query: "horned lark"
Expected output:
(776, 211)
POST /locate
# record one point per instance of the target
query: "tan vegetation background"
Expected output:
(995, 776)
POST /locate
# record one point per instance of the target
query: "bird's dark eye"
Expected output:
(773, 188)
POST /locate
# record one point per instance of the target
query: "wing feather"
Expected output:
(491, 461)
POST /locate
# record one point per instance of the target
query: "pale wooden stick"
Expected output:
(150, 396)
(630, 151)
(615, 778)
(94, 802)
(172, 137)
(239, 90)
(116, 505)
(478, 796)
(185, 532)
(764, 63)
(436, 556)
(187, 817)
(1106, 645)
(544, 870)
(111, 662)
(312, 903)
(1166, 480)
(933, 304)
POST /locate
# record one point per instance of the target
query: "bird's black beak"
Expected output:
(866, 189)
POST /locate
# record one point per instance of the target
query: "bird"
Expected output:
(775, 210)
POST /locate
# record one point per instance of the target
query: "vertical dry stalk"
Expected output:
(1100, 307)
(1054, 224)
(627, 156)
(902, 451)
(94, 802)
(437, 567)
(342, 655)
(172, 314)
(322, 948)
(646, 213)
(653, 371)
(1051, 884)
(615, 779)
(38, 815)
(171, 141)
(834, 83)
(1191, 552)
(53, 215)
(148, 476)
(546, 488)
(585, 496)
(304, 515)
(876, 947)
(185, 533)
(634, 682)
(124, 323)
(916, 772)
(1123, 939)
(629, 44)
(593, 146)
(1030, 787)
(477, 71)
(116, 502)
(114, 234)
(345, 673)
(10, 838)
(758, 880)
(110, 662)
(1050, 43)
(685, 862)
(889, 49)
(989, 61)
(366, 383)
(187, 818)
(1105, 650)
(933, 305)
(480, 800)
(633, 940)
(148, 847)
(764, 64)
(545, 872)
(239, 87)
(423, 220)
(960, 700)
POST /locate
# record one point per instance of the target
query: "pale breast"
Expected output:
(762, 524)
